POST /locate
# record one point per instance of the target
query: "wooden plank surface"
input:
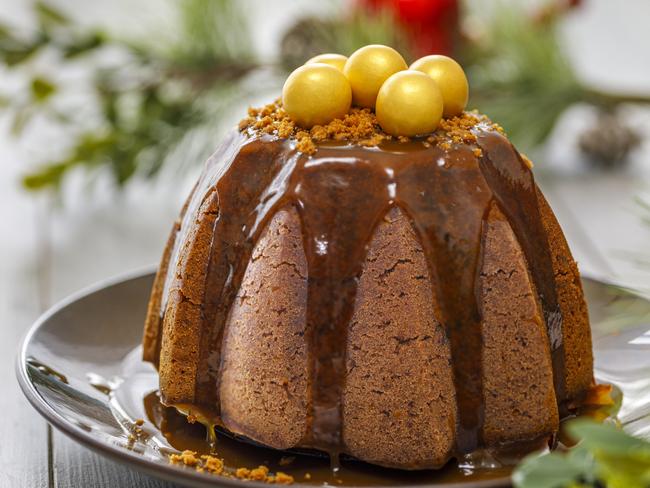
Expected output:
(75, 466)
(23, 434)
(88, 244)
(23, 449)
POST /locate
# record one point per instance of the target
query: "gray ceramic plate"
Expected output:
(88, 345)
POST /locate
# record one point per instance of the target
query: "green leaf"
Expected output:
(547, 471)
(608, 439)
(48, 176)
(5, 33)
(623, 461)
(14, 53)
(124, 163)
(84, 45)
(314, 35)
(604, 455)
(520, 69)
(623, 471)
(109, 107)
(49, 16)
(42, 89)
(152, 101)
(212, 32)
(21, 118)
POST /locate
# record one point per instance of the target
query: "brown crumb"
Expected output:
(188, 458)
(212, 464)
(283, 478)
(242, 473)
(259, 474)
(306, 145)
(215, 465)
(139, 422)
(527, 161)
(130, 441)
(286, 460)
(360, 126)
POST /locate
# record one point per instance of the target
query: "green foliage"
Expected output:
(175, 82)
(211, 31)
(147, 103)
(48, 16)
(605, 456)
(313, 35)
(520, 77)
(553, 470)
(166, 86)
(42, 89)
(360, 30)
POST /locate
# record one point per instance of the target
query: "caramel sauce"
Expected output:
(306, 467)
(46, 370)
(314, 468)
(341, 193)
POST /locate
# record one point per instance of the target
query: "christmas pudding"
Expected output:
(363, 268)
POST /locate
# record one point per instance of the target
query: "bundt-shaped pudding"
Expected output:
(402, 301)
(373, 281)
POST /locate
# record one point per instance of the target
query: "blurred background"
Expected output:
(108, 110)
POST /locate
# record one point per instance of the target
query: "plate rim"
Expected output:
(86, 439)
(156, 469)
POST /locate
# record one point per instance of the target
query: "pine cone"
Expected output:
(307, 38)
(609, 142)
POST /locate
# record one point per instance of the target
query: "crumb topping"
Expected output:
(215, 465)
(360, 126)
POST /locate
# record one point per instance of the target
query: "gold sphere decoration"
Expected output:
(451, 79)
(315, 94)
(336, 60)
(409, 103)
(367, 69)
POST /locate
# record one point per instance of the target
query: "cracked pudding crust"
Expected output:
(405, 303)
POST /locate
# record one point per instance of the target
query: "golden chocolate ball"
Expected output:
(336, 60)
(451, 79)
(368, 68)
(315, 94)
(409, 103)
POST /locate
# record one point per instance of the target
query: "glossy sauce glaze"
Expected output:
(314, 468)
(341, 193)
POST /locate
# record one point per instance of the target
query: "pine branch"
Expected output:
(169, 84)
(520, 76)
(149, 102)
